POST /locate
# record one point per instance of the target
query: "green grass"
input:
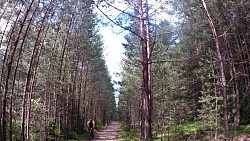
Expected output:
(131, 135)
(177, 132)
(183, 131)
(190, 127)
(196, 128)
(81, 137)
(85, 135)
(242, 130)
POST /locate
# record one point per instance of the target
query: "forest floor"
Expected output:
(111, 133)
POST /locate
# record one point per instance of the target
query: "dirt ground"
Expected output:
(111, 133)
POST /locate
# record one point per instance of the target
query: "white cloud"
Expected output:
(113, 50)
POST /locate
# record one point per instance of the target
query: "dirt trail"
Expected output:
(111, 133)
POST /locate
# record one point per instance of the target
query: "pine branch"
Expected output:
(123, 27)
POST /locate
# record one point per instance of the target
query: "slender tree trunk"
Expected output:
(216, 99)
(222, 74)
(61, 78)
(150, 80)
(10, 122)
(145, 76)
(3, 133)
(235, 79)
(31, 74)
(245, 81)
(84, 95)
(8, 46)
(9, 65)
(79, 111)
(141, 117)
(55, 94)
(246, 56)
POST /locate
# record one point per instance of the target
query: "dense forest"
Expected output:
(198, 70)
(53, 73)
(186, 70)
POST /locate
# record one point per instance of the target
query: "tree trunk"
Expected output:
(84, 95)
(31, 74)
(222, 74)
(145, 77)
(234, 77)
(3, 129)
(55, 94)
(9, 67)
(150, 80)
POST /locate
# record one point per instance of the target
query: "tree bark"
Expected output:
(8, 71)
(4, 64)
(150, 80)
(235, 79)
(145, 77)
(222, 71)
(31, 74)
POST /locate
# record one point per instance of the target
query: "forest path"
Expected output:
(111, 133)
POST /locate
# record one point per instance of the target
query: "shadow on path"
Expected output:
(111, 133)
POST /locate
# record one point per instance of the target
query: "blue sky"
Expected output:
(113, 49)
(113, 52)
(113, 37)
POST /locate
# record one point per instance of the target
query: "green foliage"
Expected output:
(73, 135)
(16, 128)
(35, 136)
(245, 117)
(210, 113)
(191, 126)
(54, 132)
(241, 131)
(131, 134)
(84, 136)
(71, 68)
(79, 137)
(211, 107)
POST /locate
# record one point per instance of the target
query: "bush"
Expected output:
(73, 135)
(54, 132)
(128, 133)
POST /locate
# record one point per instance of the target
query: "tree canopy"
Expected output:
(185, 74)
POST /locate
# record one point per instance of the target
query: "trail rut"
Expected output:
(111, 133)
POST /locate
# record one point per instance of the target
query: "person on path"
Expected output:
(107, 122)
(91, 126)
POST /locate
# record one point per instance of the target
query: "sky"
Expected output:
(113, 53)
(113, 50)
(113, 37)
